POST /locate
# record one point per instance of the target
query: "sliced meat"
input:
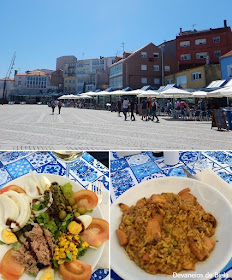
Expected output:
(140, 203)
(153, 231)
(188, 266)
(146, 257)
(156, 198)
(184, 194)
(201, 254)
(158, 217)
(123, 207)
(122, 237)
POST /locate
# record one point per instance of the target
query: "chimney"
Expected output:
(15, 72)
(225, 23)
(180, 31)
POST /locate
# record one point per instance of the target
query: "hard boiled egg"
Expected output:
(9, 208)
(45, 274)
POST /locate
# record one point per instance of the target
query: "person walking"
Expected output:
(169, 107)
(155, 109)
(125, 106)
(53, 105)
(132, 108)
(119, 106)
(144, 108)
(59, 106)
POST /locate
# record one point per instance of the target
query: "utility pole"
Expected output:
(8, 76)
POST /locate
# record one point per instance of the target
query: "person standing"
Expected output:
(155, 109)
(169, 107)
(53, 105)
(132, 107)
(59, 106)
(125, 106)
(119, 106)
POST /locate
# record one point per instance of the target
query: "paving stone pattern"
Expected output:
(33, 127)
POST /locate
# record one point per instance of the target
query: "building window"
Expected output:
(181, 80)
(229, 69)
(143, 67)
(201, 55)
(156, 81)
(169, 81)
(143, 54)
(216, 39)
(196, 76)
(167, 68)
(185, 44)
(185, 56)
(156, 67)
(156, 55)
(19, 83)
(217, 53)
(144, 81)
(200, 42)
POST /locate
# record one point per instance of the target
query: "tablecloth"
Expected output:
(129, 171)
(84, 170)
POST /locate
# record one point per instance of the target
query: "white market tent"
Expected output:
(150, 93)
(200, 93)
(175, 93)
(68, 96)
(221, 92)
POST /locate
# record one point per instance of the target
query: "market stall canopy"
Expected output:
(83, 96)
(90, 93)
(221, 92)
(200, 93)
(175, 92)
(68, 96)
(150, 93)
(216, 84)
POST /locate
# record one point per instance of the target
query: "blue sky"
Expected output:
(40, 31)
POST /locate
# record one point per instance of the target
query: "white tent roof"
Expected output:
(150, 93)
(175, 92)
(221, 92)
(216, 84)
(199, 93)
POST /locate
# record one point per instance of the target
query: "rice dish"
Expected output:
(167, 233)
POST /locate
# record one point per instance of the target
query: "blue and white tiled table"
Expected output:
(84, 170)
(129, 171)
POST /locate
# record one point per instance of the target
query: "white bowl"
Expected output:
(92, 256)
(210, 199)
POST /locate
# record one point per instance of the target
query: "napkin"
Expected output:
(104, 260)
(211, 178)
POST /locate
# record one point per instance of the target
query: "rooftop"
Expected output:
(227, 54)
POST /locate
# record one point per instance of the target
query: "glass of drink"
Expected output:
(68, 157)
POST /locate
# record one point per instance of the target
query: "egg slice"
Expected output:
(86, 220)
(45, 274)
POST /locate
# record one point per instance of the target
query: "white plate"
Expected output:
(92, 256)
(211, 200)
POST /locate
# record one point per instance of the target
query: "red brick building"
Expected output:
(195, 48)
(141, 67)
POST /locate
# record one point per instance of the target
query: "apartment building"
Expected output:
(92, 74)
(145, 66)
(62, 60)
(197, 77)
(195, 48)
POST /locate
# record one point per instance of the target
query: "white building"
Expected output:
(86, 72)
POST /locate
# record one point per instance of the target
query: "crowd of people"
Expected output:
(148, 108)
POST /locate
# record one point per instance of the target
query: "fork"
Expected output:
(96, 187)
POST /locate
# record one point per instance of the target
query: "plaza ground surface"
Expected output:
(33, 127)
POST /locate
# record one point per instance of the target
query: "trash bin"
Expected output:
(228, 111)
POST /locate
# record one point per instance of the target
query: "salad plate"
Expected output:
(92, 256)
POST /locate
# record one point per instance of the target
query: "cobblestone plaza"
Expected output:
(33, 127)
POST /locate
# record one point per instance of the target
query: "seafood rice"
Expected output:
(167, 233)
